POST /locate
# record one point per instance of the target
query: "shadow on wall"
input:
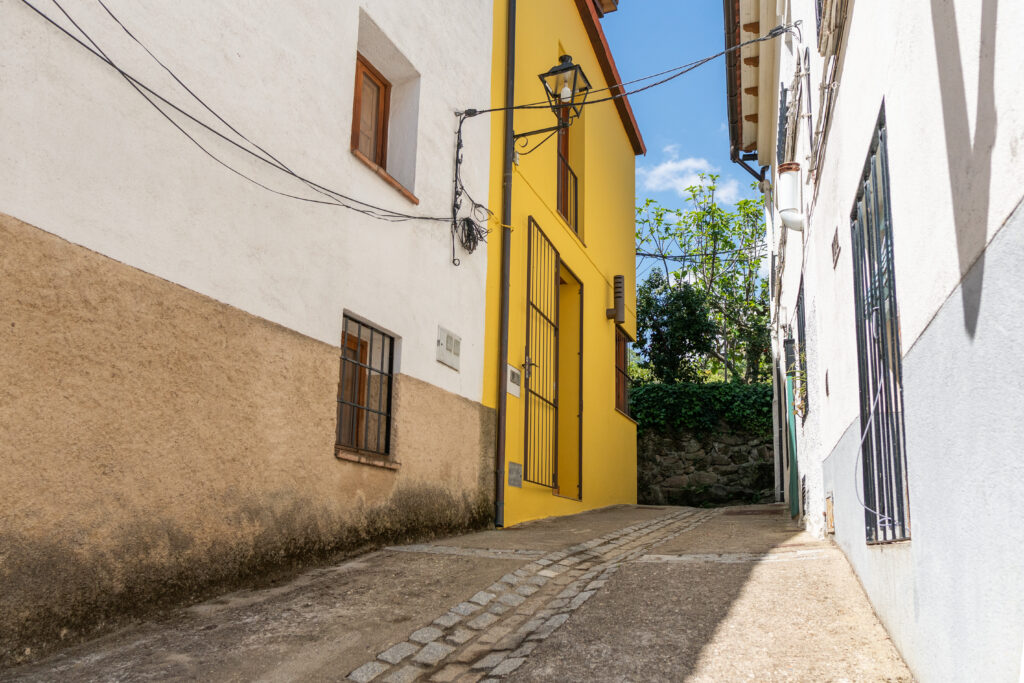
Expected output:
(970, 161)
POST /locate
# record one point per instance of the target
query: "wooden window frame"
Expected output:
(361, 349)
(621, 371)
(360, 363)
(364, 69)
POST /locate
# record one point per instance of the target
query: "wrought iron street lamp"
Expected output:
(566, 87)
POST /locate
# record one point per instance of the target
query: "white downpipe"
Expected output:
(787, 195)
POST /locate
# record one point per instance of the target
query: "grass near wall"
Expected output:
(703, 408)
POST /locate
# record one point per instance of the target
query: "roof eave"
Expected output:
(730, 11)
(592, 23)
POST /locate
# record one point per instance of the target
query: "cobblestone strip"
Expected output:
(492, 633)
(486, 553)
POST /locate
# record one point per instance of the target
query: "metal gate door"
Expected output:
(541, 367)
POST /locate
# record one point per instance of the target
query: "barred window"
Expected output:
(801, 354)
(780, 142)
(364, 388)
(621, 371)
(883, 446)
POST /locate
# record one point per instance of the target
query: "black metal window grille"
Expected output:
(540, 379)
(883, 443)
(568, 195)
(621, 371)
(364, 388)
(780, 143)
(807, 97)
(801, 350)
(789, 346)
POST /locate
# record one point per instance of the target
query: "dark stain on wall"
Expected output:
(58, 593)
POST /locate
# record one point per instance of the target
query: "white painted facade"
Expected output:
(84, 157)
(948, 75)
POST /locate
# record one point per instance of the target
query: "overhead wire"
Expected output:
(335, 199)
(472, 229)
(468, 230)
(197, 98)
(689, 255)
(676, 72)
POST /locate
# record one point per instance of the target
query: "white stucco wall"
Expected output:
(951, 597)
(86, 158)
(948, 74)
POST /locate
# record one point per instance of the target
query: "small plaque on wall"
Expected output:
(515, 379)
(515, 474)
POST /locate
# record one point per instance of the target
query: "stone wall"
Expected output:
(683, 468)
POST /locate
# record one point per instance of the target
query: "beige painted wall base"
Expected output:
(154, 441)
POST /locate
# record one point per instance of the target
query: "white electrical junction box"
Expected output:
(449, 347)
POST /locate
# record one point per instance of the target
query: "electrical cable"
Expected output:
(467, 230)
(337, 198)
(688, 256)
(196, 97)
(883, 520)
(679, 71)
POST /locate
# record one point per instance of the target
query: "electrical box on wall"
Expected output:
(515, 379)
(449, 347)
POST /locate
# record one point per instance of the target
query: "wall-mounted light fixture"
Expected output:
(787, 195)
(566, 87)
(618, 310)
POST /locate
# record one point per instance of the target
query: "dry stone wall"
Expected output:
(719, 468)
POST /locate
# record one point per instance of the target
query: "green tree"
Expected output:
(674, 329)
(717, 253)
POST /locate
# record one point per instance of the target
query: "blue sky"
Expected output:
(683, 121)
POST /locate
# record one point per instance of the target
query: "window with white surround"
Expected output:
(386, 102)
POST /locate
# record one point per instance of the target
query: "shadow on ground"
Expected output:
(685, 595)
(745, 596)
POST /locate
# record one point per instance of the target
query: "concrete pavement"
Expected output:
(624, 593)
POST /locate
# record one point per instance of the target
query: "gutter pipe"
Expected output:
(506, 247)
(730, 10)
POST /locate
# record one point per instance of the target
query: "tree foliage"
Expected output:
(675, 332)
(704, 252)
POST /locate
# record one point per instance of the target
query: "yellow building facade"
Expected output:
(555, 366)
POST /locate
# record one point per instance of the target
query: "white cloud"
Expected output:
(766, 267)
(677, 174)
(728, 191)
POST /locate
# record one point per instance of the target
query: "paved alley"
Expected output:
(627, 593)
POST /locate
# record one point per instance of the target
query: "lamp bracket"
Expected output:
(560, 126)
